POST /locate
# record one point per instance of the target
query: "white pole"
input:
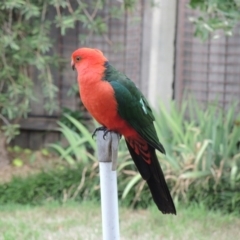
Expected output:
(107, 155)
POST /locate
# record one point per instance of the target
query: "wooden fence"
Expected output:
(207, 71)
(124, 52)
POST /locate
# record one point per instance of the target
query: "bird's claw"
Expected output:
(106, 131)
(102, 128)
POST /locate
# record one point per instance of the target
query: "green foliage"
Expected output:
(203, 157)
(76, 114)
(202, 162)
(10, 131)
(201, 165)
(215, 15)
(27, 49)
(17, 162)
(60, 184)
(79, 140)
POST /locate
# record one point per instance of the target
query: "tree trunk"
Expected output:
(4, 160)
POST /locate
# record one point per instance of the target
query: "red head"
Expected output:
(88, 56)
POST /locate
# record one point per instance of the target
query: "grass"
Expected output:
(83, 221)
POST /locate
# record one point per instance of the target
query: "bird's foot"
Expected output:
(106, 131)
(102, 128)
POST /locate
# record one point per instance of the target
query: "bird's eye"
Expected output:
(78, 59)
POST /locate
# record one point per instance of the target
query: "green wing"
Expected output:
(133, 106)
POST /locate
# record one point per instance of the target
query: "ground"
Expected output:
(75, 221)
(24, 162)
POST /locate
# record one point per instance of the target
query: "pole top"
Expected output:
(107, 148)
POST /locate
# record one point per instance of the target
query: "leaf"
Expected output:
(17, 162)
(233, 176)
(124, 165)
(201, 151)
(61, 151)
(195, 174)
(130, 185)
(83, 130)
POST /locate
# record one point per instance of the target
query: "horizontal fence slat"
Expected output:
(39, 124)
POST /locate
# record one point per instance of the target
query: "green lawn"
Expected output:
(83, 221)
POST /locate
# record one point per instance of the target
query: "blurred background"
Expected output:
(183, 55)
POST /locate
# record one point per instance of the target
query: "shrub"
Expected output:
(203, 156)
(59, 184)
(201, 165)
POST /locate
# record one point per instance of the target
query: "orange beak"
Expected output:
(73, 65)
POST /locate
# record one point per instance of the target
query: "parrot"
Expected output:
(118, 105)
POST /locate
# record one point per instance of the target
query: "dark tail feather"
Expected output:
(153, 174)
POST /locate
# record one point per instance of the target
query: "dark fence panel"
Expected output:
(207, 71)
